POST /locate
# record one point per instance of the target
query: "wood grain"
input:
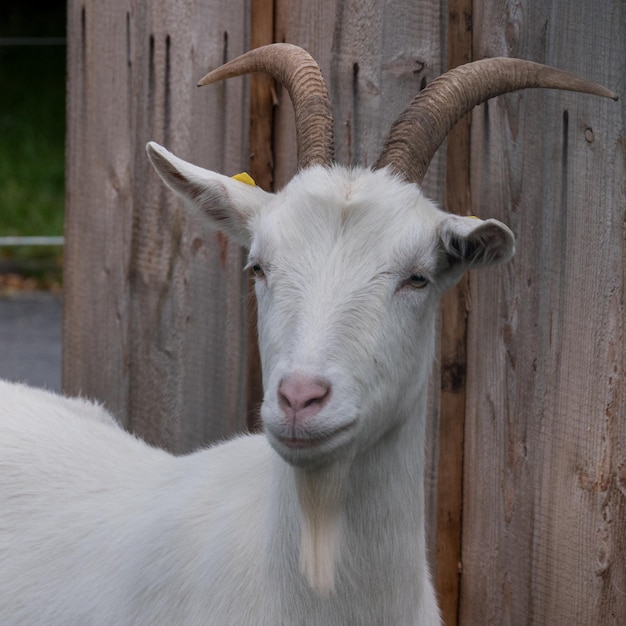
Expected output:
(453, 346)
(375, 58)
(155, 320)
(262, 94)
(98, 218)
(544, 515)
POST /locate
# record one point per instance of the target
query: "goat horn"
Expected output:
(421, 129)
(296, 69)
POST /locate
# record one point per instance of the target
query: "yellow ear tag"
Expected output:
(244, 177)
(473, 217)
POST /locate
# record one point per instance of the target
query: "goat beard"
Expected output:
(321, 494)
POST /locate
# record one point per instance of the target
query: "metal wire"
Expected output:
(32, 241)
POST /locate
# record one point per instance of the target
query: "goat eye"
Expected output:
(257, 270)
(417, 281)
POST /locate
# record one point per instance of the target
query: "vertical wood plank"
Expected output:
(544, 515)
(262, 170)
(375, 58)
(189, 321)
(98, 217)
(261, 98)
(452, 353)
(155, 323)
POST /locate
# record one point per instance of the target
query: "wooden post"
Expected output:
(262, 95)
(452, 353)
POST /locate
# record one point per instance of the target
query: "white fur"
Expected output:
(97, 527)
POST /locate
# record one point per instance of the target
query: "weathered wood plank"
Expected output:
(453, 349)
(98, 220)
(375, 58)
(155, 322)
(544, 516)
(262, 170)
(195, 338)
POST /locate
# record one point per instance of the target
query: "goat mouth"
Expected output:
(297, 443)
(303, 443)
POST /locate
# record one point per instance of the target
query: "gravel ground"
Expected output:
(30, 338)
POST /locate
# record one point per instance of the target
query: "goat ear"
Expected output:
(469, 242)
(229, 204)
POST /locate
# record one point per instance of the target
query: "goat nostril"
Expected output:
(303, 395)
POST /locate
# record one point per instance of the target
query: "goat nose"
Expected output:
(302, 396)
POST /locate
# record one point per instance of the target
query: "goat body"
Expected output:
(99, 528)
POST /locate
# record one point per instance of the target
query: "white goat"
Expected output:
(321, 519)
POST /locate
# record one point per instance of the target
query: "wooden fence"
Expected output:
(526, 477)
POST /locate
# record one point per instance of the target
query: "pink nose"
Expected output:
(301, 397)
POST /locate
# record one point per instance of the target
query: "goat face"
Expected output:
(349, 267)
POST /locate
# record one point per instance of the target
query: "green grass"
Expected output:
(32, 136)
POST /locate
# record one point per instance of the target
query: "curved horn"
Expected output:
(296, 69)
(421, 129)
